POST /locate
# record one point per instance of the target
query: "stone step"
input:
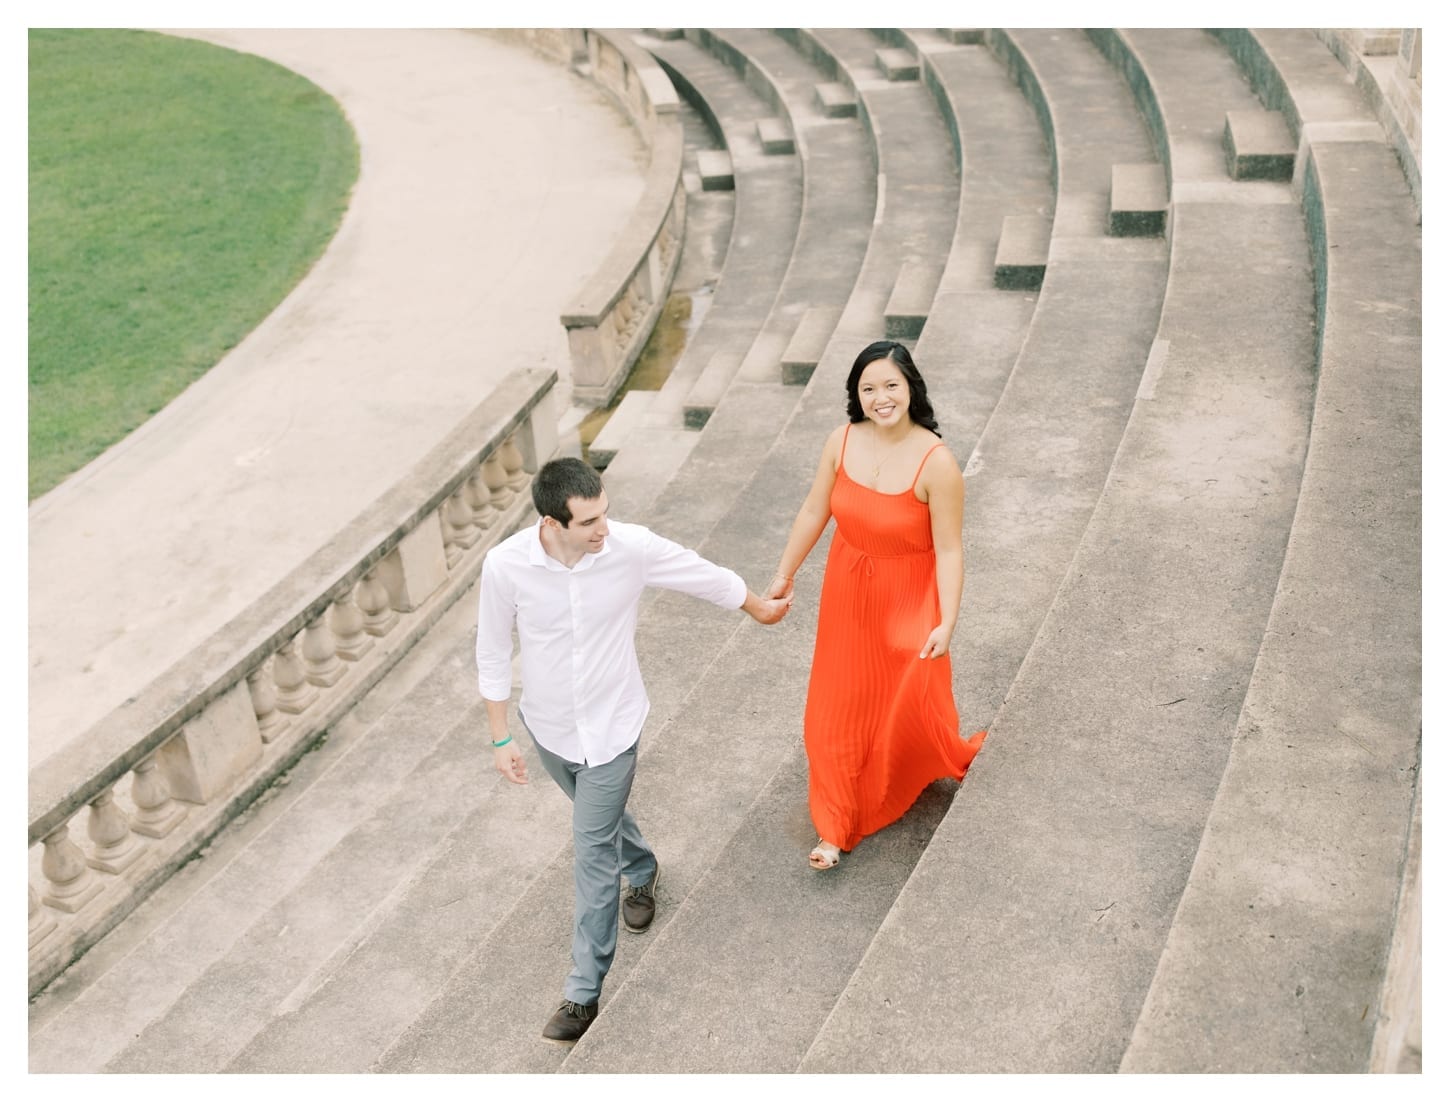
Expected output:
(1340, 701)
(963, 36)
(898, 64)
(325, 915)
(1258, 145)
(919, 191)
(758, 902)
(1014, 571)
(1143, 702)
(1139, 201)
(709, 388)
(136, 974)
(975, 333)
(706, 686)
(353, 1007)
(808, 344)
(838, 201)
(756, 247)
(716, 171)
(911, 298)
(836, 100)
(1021, 258)
(775, 136)
(626, 419)
(639, 473)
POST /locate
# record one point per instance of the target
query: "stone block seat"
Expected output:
(1139, 203)
(716, 170)
(911, 298)
(710, 387)
(1021, 257)
(1257, 145)
(775, 135)
(896, 63)
(835, 100)
(626, 420)
(808, 344)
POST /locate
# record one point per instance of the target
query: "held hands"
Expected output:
(509, 760)
(937, 642)
(767, 610)
(781, 586)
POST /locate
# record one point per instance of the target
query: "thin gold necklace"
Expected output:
(875, 457)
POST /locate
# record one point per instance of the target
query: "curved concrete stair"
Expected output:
(1159, 793)
(975, 333)
(1054, 831)
(1278, 955)
(158, 976)
(767, 218)
(818, 940)
(1041, 461)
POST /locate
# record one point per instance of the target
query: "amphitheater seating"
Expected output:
(766, 218)
(1117, 736)
(1190, 619)
(1258, 145)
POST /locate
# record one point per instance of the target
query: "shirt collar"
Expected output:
(539, 557)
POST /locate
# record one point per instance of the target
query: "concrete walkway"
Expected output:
(492, 182)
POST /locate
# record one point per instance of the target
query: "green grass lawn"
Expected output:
(178, 191)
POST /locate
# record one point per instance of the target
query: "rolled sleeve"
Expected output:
(670, 566)
(494, 647)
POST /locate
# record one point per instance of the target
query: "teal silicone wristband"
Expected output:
(505, 742)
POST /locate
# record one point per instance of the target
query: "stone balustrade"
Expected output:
(612, 314)
(117, 811)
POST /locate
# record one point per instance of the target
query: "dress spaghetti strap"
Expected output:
(921, 468)
(841, 462)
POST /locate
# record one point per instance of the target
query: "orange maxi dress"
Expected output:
(880, 721)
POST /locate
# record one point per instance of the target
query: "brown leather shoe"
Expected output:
(570, 1022)
(639, 904)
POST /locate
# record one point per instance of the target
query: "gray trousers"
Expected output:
(607, 845)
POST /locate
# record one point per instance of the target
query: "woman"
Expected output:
(880, 720)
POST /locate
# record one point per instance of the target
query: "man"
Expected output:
(573, 582)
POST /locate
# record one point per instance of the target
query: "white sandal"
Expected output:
(828, 855)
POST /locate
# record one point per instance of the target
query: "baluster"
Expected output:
(513, 463)
(480, 499)
(70, 883)
(115, 847)
(347, 628)
(319, 654)
(270, 722)
(379, 616)
(42, 925)
(157, 814)
(294, 691)
(496, 476)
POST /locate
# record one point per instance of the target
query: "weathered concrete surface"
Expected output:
(467, 229)
(1277, 957)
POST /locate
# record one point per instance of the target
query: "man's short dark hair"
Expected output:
(560, 479)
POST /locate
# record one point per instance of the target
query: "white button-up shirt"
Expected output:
(583, 696)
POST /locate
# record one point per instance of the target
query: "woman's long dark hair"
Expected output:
(919, 409)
